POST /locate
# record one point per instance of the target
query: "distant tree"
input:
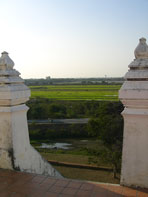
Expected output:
(57, 110)
(109, 129)
(108, 108)
(93, 127)
(83, 82)
(48, 78)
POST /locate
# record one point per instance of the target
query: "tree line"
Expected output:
(43, 108)
(65, 81)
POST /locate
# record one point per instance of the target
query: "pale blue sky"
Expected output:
(72, 38)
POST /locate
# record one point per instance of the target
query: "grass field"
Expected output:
(76, 92)
(78, 155)
(86, 174)
(79, 173)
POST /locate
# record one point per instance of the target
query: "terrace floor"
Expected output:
(18, 184)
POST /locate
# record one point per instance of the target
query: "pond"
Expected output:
(67, 144)
(57, 145)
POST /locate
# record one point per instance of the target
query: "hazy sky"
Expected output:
(72, 38)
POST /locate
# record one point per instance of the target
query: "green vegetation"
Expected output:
(76, 92)
(65, 157)
(81, 152)
(103, 133)
(105, 125)
(41, 108)
(57, 131)
(109, 129)
(73, 81)
(85, 174)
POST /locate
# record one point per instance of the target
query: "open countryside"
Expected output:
(76, 92)
(97, 140)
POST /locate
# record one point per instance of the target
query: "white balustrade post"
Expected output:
(16, 153)
(134, 96)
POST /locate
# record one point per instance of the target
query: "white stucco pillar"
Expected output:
(16, 153)
(134, 96)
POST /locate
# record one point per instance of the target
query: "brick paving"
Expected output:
(18, 184)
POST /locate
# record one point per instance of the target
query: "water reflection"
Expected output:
(57, 145)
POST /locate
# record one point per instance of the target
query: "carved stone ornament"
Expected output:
(141, 51)
(6, 62)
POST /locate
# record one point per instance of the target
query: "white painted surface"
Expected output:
(135, 147)
(15, 149)
(134, 96)
(26, 158)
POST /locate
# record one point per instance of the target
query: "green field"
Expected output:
(76, 92)
(78, 154)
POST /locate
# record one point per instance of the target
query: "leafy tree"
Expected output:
(57, 111)
(109, 108)
(39, 111)
(109, 129)
(93, 127)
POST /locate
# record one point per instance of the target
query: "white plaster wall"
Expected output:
(26, 158)
(15, 149)
(5, 139)
(135, 148)
(5, 160)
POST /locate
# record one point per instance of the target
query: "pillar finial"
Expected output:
(141, 51)
(6, 62)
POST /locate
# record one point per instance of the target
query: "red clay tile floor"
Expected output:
(18, 184)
